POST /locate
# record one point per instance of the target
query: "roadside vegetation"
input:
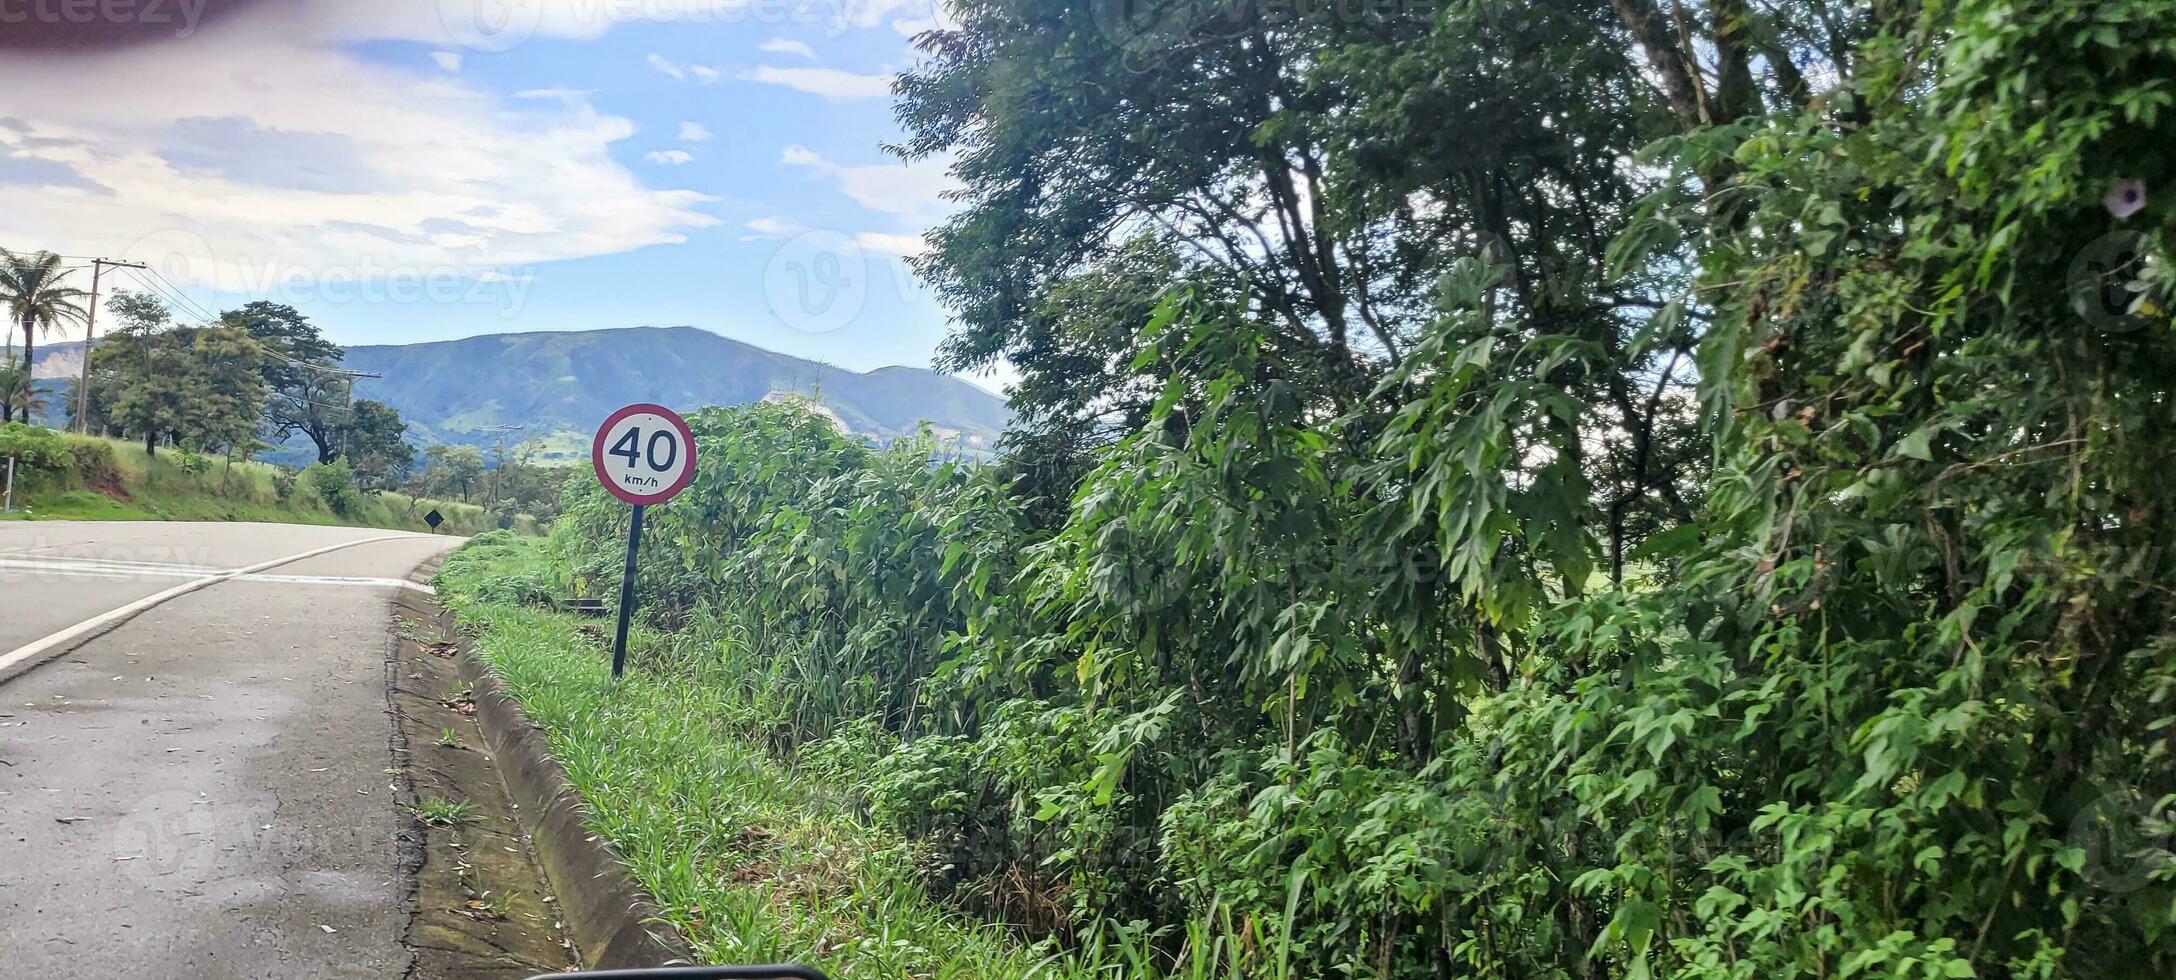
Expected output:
(214, 395)
(752, 860)
(75, 478)
(1516, 490)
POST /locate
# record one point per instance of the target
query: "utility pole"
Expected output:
(90, 332)
(502, 430)
(347, 393)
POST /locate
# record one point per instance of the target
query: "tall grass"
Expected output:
(755, 859)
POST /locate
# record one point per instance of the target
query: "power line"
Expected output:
(90, 333)
(174, 290)
(167, 296)
(172, 293)
(165, 289)
(82, 261)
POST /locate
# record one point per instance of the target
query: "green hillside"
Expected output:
(73, 478)
(560, 385)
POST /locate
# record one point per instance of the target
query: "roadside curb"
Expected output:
(614, 922)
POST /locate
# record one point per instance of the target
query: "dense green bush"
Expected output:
(93, 463)
(334, 484)
(34, 447)
(795, 538)
(1317, 685)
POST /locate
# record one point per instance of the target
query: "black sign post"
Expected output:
(643, 454)
(434, 518)
(627, 593)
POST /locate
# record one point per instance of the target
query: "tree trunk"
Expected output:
(30, 360)
(323, 438)
(151, 443)
(1659, 43)
(7, 398)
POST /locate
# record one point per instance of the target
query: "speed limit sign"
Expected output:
(644, 454)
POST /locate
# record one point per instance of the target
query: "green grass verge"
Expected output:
(755, 861)
(166, 489)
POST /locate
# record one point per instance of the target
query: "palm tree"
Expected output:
(25, 398)
(31, 288)
(13, 378)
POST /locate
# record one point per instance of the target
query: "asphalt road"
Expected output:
(200, 790)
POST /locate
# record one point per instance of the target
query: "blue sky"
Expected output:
(431, 169)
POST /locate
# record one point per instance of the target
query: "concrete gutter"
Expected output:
(614, 923)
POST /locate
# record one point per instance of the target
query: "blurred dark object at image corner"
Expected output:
(85, 26)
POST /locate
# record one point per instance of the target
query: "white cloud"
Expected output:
(500, 25)
(891, 244)
(694, 132)
(667, 68)
(679, 72)
(566, 95)
(832, 84)
(779, 45)
(927, 15)
(379, 166)
(447, 60)
(669, 158)
(772, 226)
(913, 189)
(870, 13)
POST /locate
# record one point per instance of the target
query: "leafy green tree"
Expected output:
(139, 313)
(15, 381)
(522, 486)
(1583, 490)
(1318, 169)
(136, 317)
(308, 395)
(199, 386)
(31, 287)
(373, 441)
(145, 393)
(224, 372)
(451, 471)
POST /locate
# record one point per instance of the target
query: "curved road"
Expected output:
(193, 750)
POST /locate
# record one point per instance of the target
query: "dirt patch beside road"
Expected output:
(481, 907)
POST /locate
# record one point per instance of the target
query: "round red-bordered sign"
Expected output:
(644, 454)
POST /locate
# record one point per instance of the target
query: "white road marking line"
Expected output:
(376, 583)
(34, 559)
(112, 617)
(93, 570)
(103, 571)
(107, 570)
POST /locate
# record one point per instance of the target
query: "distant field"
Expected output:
(178, 487)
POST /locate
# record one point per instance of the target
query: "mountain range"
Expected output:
(559, 385)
